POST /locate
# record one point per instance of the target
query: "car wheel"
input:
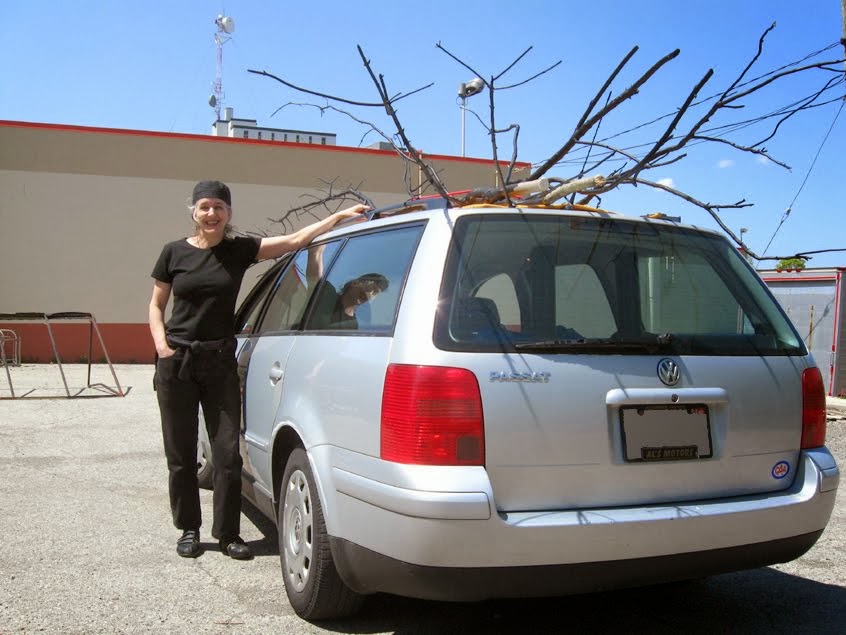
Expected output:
(312, 582)
(205, 465)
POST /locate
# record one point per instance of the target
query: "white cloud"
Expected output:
(666, 182)
(762, 160)
(725, 163)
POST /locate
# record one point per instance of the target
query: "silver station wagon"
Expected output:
(478, 402)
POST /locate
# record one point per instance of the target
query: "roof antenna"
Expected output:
(225, 27)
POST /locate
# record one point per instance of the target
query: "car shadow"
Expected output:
(763, 600)
(758, 601)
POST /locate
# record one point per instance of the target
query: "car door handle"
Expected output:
(275, 373)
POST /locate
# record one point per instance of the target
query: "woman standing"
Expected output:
(196, 357)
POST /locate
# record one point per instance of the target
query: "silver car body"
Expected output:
(558, 506)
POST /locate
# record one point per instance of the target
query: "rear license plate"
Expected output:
(666, 433)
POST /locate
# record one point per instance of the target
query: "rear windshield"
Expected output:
(544, 283)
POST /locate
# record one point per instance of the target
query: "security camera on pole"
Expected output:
(465, 90)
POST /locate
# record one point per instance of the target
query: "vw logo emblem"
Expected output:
(668, 372)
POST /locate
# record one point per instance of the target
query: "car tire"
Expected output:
(312, 583)
(205, 465)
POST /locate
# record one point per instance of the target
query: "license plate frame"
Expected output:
(677, 432)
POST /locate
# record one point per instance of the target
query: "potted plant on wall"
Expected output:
(790, 264)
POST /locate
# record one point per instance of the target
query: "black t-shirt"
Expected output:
(205, 285)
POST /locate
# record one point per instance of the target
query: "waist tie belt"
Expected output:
(195, 347)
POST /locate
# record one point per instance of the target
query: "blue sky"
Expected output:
(151, 66)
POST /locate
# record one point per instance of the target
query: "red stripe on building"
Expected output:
(125, 343)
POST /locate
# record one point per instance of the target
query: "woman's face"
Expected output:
(358, 292)
(211, 216)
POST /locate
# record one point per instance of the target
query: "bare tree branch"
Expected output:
(431, 176)
(807, 254)
(657, 149)
(492, 131)
(666, 149)
(804, 105)
(629, 163)
(322, 109)
(599, 144)
(491, 128)
(333, 97)
(581, 130)
(513, 64)
(751, 149)
(464, 64)
(533, 77)
(290, 218)
(605, 87)
(715, 96)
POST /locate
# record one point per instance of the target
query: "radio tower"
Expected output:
(225, 26)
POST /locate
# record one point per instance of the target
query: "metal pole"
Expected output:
(6, 363)
(843, 15)
(464, 114)
(90, 341)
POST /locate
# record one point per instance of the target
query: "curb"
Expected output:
(835, 406)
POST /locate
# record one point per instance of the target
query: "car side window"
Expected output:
(362, 288)
(290, 296)
(249, 312)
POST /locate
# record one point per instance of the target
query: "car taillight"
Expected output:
(813, 409)
(432, 415)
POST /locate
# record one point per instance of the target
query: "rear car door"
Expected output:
(572, 325)
(266, 354)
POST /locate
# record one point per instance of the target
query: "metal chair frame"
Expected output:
(8, 335)
(46, 319)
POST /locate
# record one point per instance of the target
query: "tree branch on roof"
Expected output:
(688, 126)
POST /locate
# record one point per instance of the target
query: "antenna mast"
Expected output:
(225, 26)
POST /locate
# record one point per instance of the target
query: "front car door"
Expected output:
(265, 356)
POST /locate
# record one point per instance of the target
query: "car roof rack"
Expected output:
(524, 195)
(416, 204)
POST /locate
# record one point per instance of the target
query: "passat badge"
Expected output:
(528, 377)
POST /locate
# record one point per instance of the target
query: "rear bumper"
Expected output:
(392, 535)
(368, 572)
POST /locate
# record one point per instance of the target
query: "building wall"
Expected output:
(813, 299)
(85, 212)
(838, 379)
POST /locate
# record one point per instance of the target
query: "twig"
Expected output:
(334, 97)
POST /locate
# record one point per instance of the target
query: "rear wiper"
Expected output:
(649, 344)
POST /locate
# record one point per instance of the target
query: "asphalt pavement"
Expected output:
(87, 544)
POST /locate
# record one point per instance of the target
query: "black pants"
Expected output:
(213, 382)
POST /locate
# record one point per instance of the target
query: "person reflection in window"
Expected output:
(336, 309)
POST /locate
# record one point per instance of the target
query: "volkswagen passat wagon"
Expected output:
(467, 403)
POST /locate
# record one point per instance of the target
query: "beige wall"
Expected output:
(77, 242)
(84, 212)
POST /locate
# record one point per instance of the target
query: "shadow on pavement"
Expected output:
(758, 601)
(269, 543)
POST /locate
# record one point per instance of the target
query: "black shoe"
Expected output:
(236, 548)
(188, 546)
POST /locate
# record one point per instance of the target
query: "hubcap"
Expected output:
(297, 531)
